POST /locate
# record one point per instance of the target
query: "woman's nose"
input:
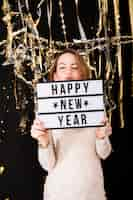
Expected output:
(69, 71)
(68, 74)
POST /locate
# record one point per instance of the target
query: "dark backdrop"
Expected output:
(23, 177)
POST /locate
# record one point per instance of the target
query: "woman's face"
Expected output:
(68, 68)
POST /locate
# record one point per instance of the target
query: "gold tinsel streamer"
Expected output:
(103, 26)
(63, 22)
(131, 22)
(119, 60)
(7, 19)
(103, 10)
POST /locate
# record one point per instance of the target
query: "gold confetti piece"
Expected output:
(2, 169)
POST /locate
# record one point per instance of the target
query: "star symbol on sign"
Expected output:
(86, 103)
(55, 104)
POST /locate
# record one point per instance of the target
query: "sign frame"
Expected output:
(69, 92)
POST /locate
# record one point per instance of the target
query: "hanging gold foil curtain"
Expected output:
(103, 26)
(48, 48)
(131, 23)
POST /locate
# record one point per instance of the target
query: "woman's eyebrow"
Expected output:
(61, 63)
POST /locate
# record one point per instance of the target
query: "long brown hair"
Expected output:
(85, 69)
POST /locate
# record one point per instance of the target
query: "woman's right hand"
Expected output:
(40, 133)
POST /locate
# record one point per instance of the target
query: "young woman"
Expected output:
(72, 156)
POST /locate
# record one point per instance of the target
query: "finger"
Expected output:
(37, 121)
(37, 132)
(39, 125)
(38, 128)
(109, 130)
(105, 121)
(100, 132)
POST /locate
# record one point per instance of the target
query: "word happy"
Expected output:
(70, 88)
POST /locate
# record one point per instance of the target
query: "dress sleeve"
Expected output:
(103, 147)
(47, 156)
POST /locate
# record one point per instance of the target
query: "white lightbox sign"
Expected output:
(70, 104)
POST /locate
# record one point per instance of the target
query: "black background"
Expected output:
(23, 177)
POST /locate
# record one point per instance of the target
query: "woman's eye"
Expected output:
(65, 67)
(74, 67)
(61, 66)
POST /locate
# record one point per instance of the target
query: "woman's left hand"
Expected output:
(106, 130)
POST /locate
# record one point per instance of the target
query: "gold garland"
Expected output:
(119, 60)
(131, 23)
(7, 19)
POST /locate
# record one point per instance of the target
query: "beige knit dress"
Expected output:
(73, 163)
